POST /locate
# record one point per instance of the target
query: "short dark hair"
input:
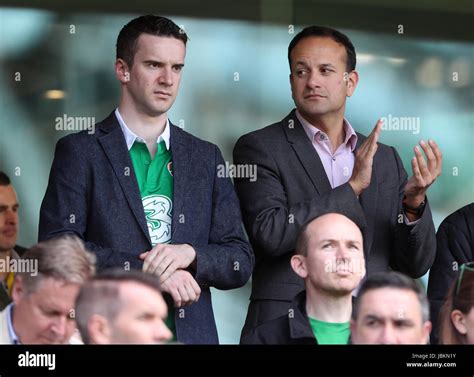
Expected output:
(101, 295)
(4, 179)
(326, 32)
(149, 24)
(393, 279)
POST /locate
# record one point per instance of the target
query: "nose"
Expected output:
(163, 333)
(166, 77)
(12, 217)
(314, 80)
(343, 253)
(59, 327)
(388, 335)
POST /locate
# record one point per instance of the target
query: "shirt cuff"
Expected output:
(408, 222)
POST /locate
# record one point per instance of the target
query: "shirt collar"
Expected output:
(312, 131)
(130, 137)
(11, 330)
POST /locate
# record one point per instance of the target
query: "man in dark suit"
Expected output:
(313, 162)
(145, 194)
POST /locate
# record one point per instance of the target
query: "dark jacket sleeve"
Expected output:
(228, 260)
(65, 208)
(415, 245)
(269, 220)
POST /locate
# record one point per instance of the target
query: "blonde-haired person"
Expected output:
(44, 293)
(457, 313)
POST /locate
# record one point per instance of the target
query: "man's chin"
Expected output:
(161, 108)
(46, 341)
(313, 111)
(8, 245)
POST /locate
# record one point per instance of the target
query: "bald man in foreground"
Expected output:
(330, 259)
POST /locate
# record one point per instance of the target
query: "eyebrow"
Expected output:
(355, 242)
(327, 65)
(151, 61)
(372, 317)
(397, 321)
(2, 205)
(304, 64)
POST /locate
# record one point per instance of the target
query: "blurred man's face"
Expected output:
(8, 218)
(390, 316)
(45, 316)
(141, 318)
(319, 82)
(155, 74)
(335, 257)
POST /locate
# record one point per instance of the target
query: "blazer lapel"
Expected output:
(306, 154)
(368, 201)
(314, 168)
(182, 154)
(115, 147)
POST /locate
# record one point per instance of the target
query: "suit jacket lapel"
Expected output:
(115, 147)
(314, 168)
(368, 201)
(306, 154)
(182, 154)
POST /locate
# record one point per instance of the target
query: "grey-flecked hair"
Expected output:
(392, 279)
(64, 258)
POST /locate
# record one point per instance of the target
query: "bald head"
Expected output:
(330, 255)
(323, 227)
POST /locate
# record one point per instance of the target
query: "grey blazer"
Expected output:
(292, 187)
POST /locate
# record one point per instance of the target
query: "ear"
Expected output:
(427, 326)
(122, 71)
(352, 326)
(99, 330)
(352, 79)
(18, 291)
(459, 321)
(291, 78)
(298, 264)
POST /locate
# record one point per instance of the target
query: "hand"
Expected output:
(182, 287)
(364, 158)
(423, 174)
(164, 259)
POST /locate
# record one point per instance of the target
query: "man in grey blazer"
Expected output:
(313, 162)
(145, 194)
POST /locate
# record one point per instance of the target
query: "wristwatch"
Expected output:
(418, 211)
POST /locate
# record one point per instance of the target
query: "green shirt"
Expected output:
(329, 332)
(155, 180)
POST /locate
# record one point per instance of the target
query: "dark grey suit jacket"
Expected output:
(93, 193)
(292, 188)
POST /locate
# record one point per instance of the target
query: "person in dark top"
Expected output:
(9, 251)
(330, 259)
(456, 321)
(455, 246)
